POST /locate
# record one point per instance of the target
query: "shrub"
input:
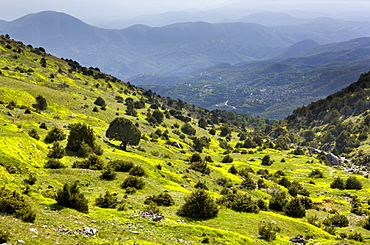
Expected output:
(137, 171)
(227, 159)
(71, 197)
(277, 201)
(81, 133)
(315, 173)
(233, 170)
(352, 183)
(163, 199)
(195, 158)
(100, 101)
(248, 182)
(208, 159)
(337, 184)
(294, 208)
(201, 167)
(4, 236)
(224, 182)
(188, 129)
(57, 151)
(266, 161)
(93, 162)
(339, 220)
(107, 201)
(262, 205)
(34, 134)
(366, 223)
(54, 164)
(55, 134)
(11, 202)
(201, 185)
(267, 231)
(31, 179)
(41, 103)
(152, 206)
(43, 125)
(133, 181)
(108, 173)
(239, 202)
(199, 205)
(121, 166)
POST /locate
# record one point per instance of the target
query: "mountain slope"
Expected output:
(234, 174)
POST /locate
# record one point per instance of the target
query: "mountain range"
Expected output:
(173, 49)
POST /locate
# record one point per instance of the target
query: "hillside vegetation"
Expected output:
(188, 175)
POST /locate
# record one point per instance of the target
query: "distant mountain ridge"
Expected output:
(270, 88)
(170, 50)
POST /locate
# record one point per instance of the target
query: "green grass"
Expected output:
(21, 155)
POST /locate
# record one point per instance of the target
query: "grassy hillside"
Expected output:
(71, 93)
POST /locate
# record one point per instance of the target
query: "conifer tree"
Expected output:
(199, 205)
(124, 130)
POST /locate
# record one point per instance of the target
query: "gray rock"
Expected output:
(178, 145)
(333, 159)
(87, 231)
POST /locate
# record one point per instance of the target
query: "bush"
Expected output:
(248, 182)
(31, 179)
(352, 183)
(71, 197)
(366, 223)
(121, 166)
(108, 173)
(294, 208)
(262, 205)
(43, 125)
(107, 201)
(188, 129)
(277, 201)
(41, 103)
(54, 164)
(227, 159)
(199, 205)
(81, 134)
(239, 202)
(201, 185)
(337, 184)
(34, 134)
(267, 231)
(266, 161)
(201, 167)
(4, 236)
(233, 170)
(315, 173)
(57, 151)
(55, 134)
(339, 220)
(94, 162)
(11, 202)
(100, 101)
(163, 199)
(137, 171)
(133, 181)
(224, 182)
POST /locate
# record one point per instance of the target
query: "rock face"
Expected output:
(313, 151)
(333, 159)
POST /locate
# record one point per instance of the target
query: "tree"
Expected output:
(199, 205)
(57, 151)
(188, 129)
(55, 134)
(158, 115)
(202, 123)
(277, 201)
(268, 231)
(227, 159)
(124, 130)
(294, 208)
(71, 197)
(107, 201)
(82, 133)
(352, 183)
(337, 184)
(100, 101)
(41, 103)
(266, 161)
(131, 111)
(43, 62)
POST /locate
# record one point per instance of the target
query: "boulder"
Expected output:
(333, 159)
(87, 231)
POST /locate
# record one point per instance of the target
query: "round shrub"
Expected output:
(133, 181)
(199, 205)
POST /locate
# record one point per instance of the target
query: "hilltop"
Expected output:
(257, 181)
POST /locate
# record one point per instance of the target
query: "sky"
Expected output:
(108, 10)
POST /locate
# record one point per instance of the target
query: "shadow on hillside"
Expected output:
(56, 207)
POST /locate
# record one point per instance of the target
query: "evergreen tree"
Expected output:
(71, 197)
(294, 208)
(158, 115)
(82, 133)
(55, 134)
(57, 151)
(352, 183)
(131, 111)
(100, 101)
(124, 130)
(41, 103)
(277, 201)
(337, 184)
(199, 205)
(202, 123)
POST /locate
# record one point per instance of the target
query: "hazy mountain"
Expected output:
(271, 88)
(175, 49)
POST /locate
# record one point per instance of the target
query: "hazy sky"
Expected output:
(106, 10)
